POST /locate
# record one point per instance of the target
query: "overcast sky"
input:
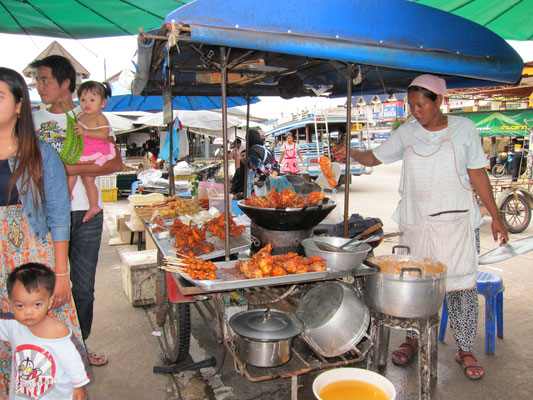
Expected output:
(105, 57)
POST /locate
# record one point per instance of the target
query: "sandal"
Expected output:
(401, 352)
(466, 368)
(96, 359)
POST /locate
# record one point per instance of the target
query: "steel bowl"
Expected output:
(288, 219)
(336, 260)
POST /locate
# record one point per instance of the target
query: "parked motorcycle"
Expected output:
(503, 165)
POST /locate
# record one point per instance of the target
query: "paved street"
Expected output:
(127, 334)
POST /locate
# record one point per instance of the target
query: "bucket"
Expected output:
(217, 201)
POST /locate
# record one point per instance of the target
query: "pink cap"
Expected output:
(431, 82)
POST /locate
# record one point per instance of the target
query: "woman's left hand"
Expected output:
(62, 293)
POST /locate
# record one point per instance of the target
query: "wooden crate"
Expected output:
(139, 270)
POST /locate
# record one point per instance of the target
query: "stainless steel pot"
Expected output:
(265, 336)
(406, 286)
(335, 318)
(336, 260)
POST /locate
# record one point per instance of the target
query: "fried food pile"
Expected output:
(157, 223)
(325, 165)
(287, 198)
(190, 238)
(198, 268)
(169, 208)
(217, 227)
(263, 264)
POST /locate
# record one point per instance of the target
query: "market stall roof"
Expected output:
(79, 19)
(510, 19)
(302, 48)
(500, 123)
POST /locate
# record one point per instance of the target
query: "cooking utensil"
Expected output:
(508, 250)
(265, 336)
(288, 219)
(335, 318)
(355, 239)
(344, 261)
(406, 286)
(352, 243)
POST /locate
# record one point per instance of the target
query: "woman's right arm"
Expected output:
(365, 157)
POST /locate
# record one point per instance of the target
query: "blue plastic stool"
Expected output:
(134, 186)
(491, 286)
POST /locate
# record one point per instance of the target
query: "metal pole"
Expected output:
(246, 191)
(168, 119)
(347, 144)
(223, 81)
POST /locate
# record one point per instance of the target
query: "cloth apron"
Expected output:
(435, 213)
(290, 163)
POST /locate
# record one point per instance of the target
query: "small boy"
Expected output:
(48, 362)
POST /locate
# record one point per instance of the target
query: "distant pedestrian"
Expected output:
(288, 159)
(493, 152)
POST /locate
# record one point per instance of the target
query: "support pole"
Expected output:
(246, 191)
(223, 82)
(347, 144)
(168, 118)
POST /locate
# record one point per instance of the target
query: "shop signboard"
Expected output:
(392, 110)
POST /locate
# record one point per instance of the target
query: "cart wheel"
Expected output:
(498, 170)
(516, 213)
(177, 332)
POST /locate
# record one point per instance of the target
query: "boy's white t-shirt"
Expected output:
(44, 369)
(51, 128)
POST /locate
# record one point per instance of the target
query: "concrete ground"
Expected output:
(130, 338)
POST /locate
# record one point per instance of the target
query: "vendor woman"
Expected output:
(442, 156)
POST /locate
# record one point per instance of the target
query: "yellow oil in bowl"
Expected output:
(352, 390)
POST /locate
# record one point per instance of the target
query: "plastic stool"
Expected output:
(490, 285)
(134, 186)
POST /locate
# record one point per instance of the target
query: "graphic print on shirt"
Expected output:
(51, 132)
(36, 370)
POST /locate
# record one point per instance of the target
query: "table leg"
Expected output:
(140, 242)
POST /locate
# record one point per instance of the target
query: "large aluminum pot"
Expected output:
(335, 318)
(334, 259)
(406, 286)
(265, 336)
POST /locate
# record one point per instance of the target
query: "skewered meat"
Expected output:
(325, 165)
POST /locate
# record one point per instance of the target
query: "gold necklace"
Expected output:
(6, 151)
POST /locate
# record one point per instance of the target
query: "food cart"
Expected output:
(241, 48)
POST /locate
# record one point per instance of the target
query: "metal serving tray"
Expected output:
(227, 279)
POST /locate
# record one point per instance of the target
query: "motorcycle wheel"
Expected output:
(498, 170)
(516, 213)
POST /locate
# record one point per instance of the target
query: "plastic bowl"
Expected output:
(355, 374)
(336, 260)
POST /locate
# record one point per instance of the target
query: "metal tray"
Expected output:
(228, 281)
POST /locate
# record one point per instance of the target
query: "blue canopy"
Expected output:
(155, 103)
(304, 47)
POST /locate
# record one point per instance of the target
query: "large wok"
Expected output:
(288, 219)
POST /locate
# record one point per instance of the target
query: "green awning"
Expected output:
(510, 19)
(500, 123)
(79, 19)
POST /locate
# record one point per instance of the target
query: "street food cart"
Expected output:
(294, 49)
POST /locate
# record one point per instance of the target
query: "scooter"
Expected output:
(503, 165)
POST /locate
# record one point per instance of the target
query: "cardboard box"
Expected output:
(123, 232)
(139, 269)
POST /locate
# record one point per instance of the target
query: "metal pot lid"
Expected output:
(508, 250)
(320, 304)
(266, 325)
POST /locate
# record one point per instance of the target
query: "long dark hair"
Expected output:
(29, 163)
(101, 89)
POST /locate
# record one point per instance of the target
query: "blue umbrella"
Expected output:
(130, 102)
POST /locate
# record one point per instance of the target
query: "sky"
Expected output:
(106, 57)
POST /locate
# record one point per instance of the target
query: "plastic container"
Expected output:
(205, 189)
(217, 201)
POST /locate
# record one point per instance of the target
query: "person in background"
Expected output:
(34, 207)
(518, 151)
(442, 157)
(289, 150)
(493, 152)
(56, 82)
(236, 152)
(261, 162)
(94, 127)
(47, 358)
(237, 182)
